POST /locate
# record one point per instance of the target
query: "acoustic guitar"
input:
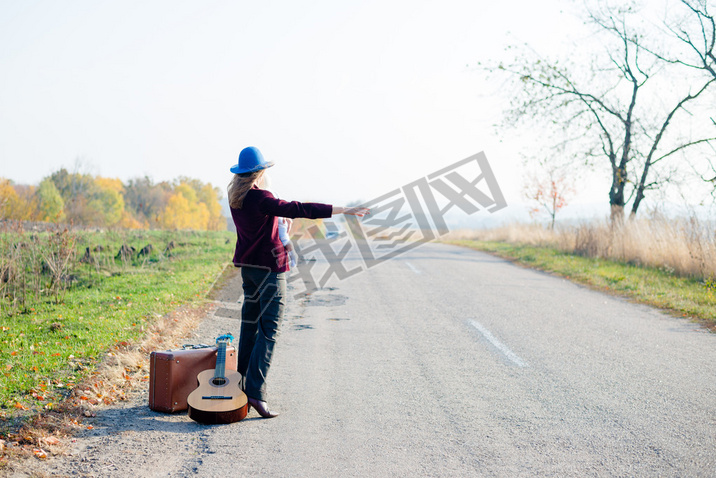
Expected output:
(219, 398)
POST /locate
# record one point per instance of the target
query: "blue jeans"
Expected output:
(261, 313)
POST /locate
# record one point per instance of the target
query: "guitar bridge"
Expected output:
(216, 397)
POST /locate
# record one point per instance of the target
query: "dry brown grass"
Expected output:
(684, 247)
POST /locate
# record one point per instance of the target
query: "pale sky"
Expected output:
(351, 99)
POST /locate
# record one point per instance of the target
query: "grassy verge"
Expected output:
(47, 347)
(684, 297)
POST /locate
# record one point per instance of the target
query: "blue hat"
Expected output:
(250, 160)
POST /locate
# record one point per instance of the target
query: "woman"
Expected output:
(264, 261)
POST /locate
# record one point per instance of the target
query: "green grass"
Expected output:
(47, 348)
(682, 296)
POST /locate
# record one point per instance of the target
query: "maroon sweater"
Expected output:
(257, 242)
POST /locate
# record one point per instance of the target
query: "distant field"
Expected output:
(684, 247)
(58, 324)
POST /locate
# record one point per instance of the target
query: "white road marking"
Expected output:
(413, 268)
(499, 345)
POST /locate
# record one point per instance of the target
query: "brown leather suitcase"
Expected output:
(172, 375)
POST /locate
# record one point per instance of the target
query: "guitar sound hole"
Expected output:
(218, 381)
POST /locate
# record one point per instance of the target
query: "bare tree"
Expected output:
(621, 107)
(548, 191)
(697, 33)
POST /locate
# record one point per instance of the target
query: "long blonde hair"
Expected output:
(240, 185)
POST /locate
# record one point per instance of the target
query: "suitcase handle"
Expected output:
(194, 346)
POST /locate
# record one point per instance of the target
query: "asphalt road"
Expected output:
(446, 361)
(450, 362)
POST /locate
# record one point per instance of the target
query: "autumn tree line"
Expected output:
(95, 201)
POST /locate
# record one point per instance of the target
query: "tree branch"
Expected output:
(683, 146)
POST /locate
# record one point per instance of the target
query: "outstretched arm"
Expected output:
(353, 211)
(272, 206)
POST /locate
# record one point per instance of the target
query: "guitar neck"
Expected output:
(220, 369)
